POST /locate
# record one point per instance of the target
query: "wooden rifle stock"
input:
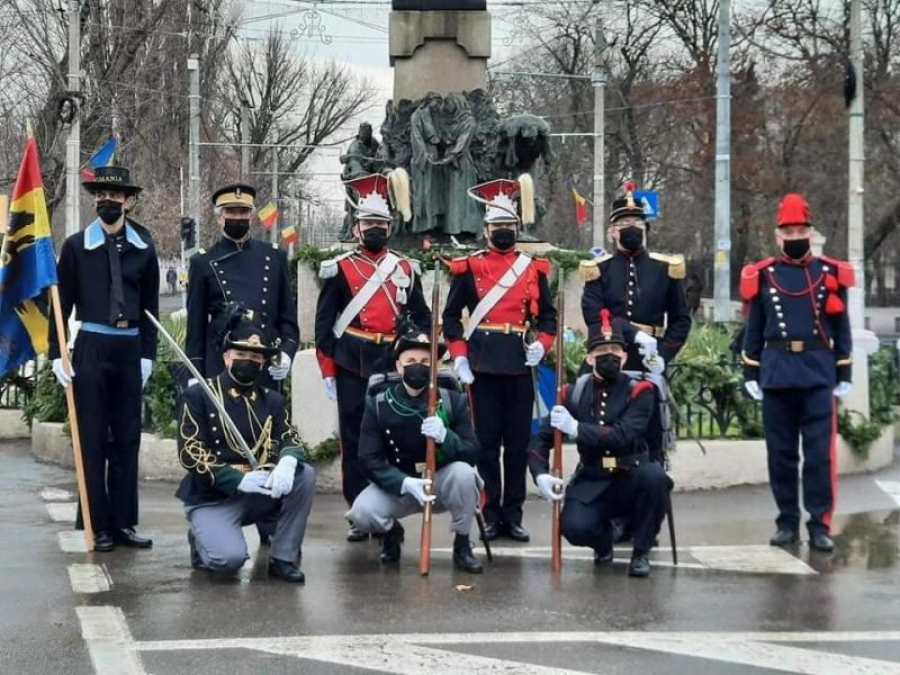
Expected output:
(430, 450)
(556, 465)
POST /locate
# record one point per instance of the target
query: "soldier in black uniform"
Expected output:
(109, 273)
(364, 291)
(643, 288)
(221, 492)
(392, 453)
(239, 270)
(797, 359)
(607, 413)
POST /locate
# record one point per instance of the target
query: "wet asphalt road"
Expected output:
(817, 613)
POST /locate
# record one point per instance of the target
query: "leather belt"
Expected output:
(797, 346)
(377, 338)
(505, 328)
(652, 331)
(610, 464)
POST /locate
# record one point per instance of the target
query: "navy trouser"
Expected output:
(503, 407)
(351, 395)
(107, 388)
(789, 414)
(639, 495)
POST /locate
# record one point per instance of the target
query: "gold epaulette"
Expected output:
(590, 269)
(677, 268)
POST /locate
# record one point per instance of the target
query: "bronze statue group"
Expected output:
(435, 415)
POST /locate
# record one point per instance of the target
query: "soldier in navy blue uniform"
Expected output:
(221, 491)
(642, 288)
(797, 359)
(607, 414)
(109, 274)
(364, 292)
(239, 271)
(392, 442)
(507, 295)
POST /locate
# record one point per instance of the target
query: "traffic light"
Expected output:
(188, 231)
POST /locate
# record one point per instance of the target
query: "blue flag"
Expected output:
(104, 156)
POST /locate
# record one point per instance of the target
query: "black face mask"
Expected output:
(607, 366)
(375, 240)
(236, 228)
(796, 248)
(109, 211)
(631, 239)
(245, 371)
(416, 376)
(503, 240)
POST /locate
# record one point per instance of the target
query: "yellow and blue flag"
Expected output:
(27, 268)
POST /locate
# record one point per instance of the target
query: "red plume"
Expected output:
(831, 283)
(834, 304)
(629, 186)
(605, 326)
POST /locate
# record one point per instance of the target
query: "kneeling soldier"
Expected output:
(221, 493)
(607, 413)
(392, 454)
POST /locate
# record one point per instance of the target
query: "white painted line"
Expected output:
(72, 541)
(87, 578)
(752, 559)
(891, 488)
(61, 512)
(109, 641)
(51, 494)
(416, 654)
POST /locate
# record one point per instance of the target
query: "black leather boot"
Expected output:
(286, 571)
(784, 537)
(639, 566)
(390, 545)
(463, 557)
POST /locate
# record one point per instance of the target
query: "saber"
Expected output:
(479, 514)
(210, 394)
(671, 528)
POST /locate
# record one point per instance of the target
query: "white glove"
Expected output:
(646, 343)
(752, 387)
(255, 482)
(416, 488)
(331, 388)
(561, 418)
(843, 388)
(654, 364)
(281, 480)
(433, 427)
(281, 371)
(534, 353)
(64, 378)
(461, 365)
(192, 382)
(547, 485)
(146, 369)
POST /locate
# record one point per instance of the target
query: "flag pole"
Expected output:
(73, 420)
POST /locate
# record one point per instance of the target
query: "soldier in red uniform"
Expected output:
(364, 291)
(506, 292)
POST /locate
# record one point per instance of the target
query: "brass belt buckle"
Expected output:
(608, 462)
(122, 323)
(378, 338)
(796, 346)
(507, 328)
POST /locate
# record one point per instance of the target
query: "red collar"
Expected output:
(372, 257)
(803, 262)
(503, 254)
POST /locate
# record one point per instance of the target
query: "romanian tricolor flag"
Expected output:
(268, 215)
(581, 214)
(103, 157)
(289, 234)
(27, 268)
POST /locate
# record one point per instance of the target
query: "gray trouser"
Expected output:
(458, 489)
(217, 527)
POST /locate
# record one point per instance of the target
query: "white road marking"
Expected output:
(416, 654)
(109, 641)
(88, 578)
(752, 559)
(72, 541)
(61, 512)
(51, 494)
(891, 488)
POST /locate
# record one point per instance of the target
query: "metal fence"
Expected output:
(17, 387)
